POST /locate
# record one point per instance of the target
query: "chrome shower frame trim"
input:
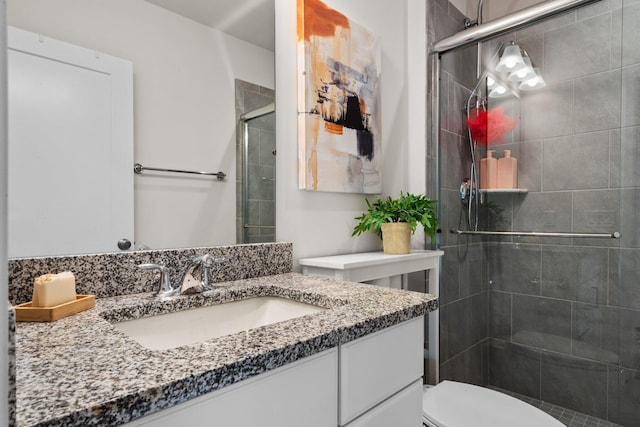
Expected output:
(507, 23)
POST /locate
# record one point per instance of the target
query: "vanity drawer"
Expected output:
(377, 366)
(402, 410)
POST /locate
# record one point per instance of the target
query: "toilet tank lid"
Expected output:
(455, 404)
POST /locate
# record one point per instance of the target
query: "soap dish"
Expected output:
(26, 313)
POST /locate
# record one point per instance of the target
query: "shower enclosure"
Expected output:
(256, 154)
(552, 317)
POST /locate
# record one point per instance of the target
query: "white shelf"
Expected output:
(361, 267)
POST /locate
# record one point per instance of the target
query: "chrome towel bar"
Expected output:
(138, 168)
(614, 235)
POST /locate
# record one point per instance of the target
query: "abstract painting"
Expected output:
(339, 132)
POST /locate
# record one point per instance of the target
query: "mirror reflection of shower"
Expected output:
(259, 168)
(255, 163)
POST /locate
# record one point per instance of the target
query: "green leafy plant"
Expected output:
(409, 208)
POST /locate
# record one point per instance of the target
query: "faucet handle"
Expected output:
(208, 260)
(164, 287)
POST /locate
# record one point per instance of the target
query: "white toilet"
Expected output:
(454, 404)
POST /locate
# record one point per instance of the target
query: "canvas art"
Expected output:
(339, 103)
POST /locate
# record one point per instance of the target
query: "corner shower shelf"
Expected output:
(504, 190)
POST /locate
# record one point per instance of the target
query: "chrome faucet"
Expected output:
(191, 285)
(164, 284)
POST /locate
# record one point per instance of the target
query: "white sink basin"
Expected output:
(180, 328)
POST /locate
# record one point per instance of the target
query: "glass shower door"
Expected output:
(259, 175)
(555, 319)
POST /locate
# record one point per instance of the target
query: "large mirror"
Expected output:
(187, 58)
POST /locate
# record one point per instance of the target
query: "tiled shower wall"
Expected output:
(260, 161)
(463, 292)
(565, 313)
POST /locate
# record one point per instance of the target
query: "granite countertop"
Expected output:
(81, 371)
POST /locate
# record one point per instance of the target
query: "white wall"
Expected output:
(184, 106)
(321, 223)
(4, 297)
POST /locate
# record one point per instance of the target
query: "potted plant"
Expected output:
(396, 219)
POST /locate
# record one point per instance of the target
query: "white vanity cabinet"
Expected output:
(374, 381)
(302, 393)
(381, 378)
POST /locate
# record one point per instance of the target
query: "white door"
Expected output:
(70, 148)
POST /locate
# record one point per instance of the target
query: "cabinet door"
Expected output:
(402, 410)
(300, 394)
(375, 367)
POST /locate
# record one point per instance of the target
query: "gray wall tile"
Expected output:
(464, 323)
(616, 38)
(574, 384)
(514, 367)
(630, 338)
(624, 395)
(595, 332)
(530, 165)
(449, 277)
(606, 89)
(478, 317)
(455, 153)
(629, 220)
(255, 100)
(598, 8)
(457, 328)
(515, 268)
(630, 34)
(471, 271)
(456, 62)
(575, 273)
(267, 214)
(267, 145)
(254, 146)
(496, 213)
(624, 271)
(467, 367)
(443, 333)
(631, 96)
(500, 315)
(544, 212)
(445, 25)
(542, 323)
(596, 211)
(576, 162)
(569, 55)
(458, 98)
(625, 157)
(254, 215)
